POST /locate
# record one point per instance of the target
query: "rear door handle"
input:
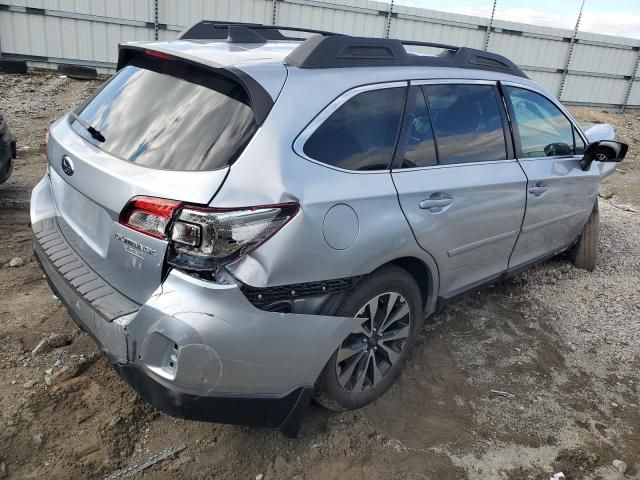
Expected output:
(436, 202)
(538, 189)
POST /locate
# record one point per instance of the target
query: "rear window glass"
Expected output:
(467, 123)
(361, 134)
(167, 115)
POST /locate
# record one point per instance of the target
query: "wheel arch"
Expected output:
(426, 277)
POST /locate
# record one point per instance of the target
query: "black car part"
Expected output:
(77, 71)
(8, 151)
(332, 50)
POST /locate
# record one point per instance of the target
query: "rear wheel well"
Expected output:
(420, 273)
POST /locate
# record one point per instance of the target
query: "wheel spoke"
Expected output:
(393, 298)
(377, 374)
(348, 351)
(373, 310)
(391, 353)
(347, 373)
(398, 334)
(402, 312)
(361, 374)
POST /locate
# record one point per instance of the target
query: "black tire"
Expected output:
(77, 72)
(329, 392)
(585, 253)
(5, 170)
(10, 65)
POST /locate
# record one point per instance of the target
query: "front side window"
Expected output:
(467, 123)
(361, 134)
(543, 129)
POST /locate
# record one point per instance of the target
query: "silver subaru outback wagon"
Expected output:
(244, 220)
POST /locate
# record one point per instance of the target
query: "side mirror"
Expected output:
(600, 131)
(603, 151)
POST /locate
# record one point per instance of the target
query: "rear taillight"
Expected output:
(203, 238)
(208, 238)
(149, 215)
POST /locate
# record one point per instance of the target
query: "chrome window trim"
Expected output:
(453, 165)
(553, 100)
(325, 113)
(557, 157)
(453, 81)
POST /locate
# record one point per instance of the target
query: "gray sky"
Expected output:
(608, 17)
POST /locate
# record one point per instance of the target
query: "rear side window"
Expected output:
(361, 134)
(467, 123)
(421, 149)
(167, 115)
(543, 129)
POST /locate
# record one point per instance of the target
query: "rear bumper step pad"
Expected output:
(51, 247)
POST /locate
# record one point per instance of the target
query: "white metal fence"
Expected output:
(579, 67)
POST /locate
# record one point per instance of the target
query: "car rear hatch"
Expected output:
(162, 127)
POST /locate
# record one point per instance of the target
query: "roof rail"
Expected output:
(214, 30)
(335, 50)
(345, 51)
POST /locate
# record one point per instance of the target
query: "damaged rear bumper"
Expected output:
(196, 349)
(280, 412)
(283, 413)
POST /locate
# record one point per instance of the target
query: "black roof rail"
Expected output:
(345, 51)
(335, 50)
(215, 30)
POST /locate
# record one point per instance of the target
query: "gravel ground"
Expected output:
(562, 344)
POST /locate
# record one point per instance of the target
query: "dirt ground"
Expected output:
(562, 343)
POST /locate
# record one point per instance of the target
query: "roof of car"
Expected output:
(258, 56)
(227, 44)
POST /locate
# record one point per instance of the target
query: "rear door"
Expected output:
(560, 195)
(158, 128)
(459, 185)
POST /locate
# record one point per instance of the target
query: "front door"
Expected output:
(560, 195)
(458, 184)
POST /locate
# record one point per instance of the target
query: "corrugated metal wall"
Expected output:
(593, 69)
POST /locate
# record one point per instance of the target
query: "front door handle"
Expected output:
(538, 189)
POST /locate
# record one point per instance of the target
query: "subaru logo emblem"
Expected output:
(67, 165)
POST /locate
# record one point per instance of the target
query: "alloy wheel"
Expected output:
(369, 353)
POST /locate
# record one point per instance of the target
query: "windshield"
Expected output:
(168, 115)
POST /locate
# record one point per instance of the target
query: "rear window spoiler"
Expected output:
(261, 101)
